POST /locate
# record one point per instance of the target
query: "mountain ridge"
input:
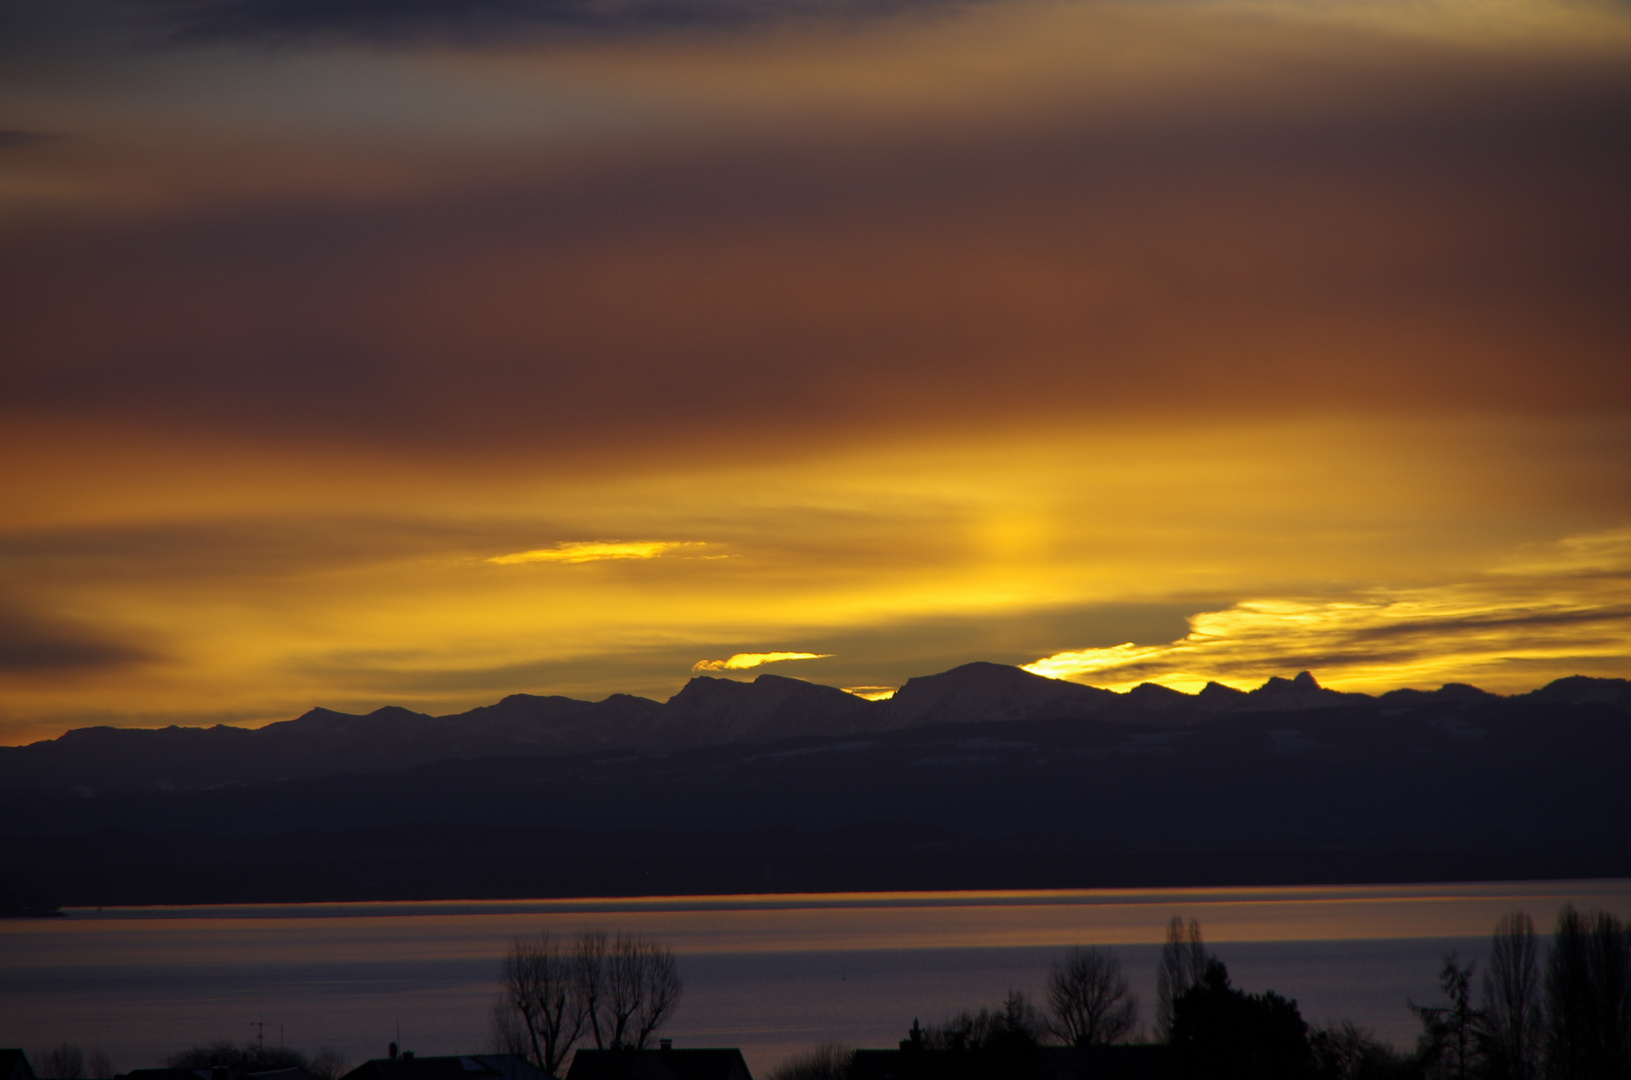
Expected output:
(707, 711)
(1496, 787)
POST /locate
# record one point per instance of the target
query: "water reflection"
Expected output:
(771, 974)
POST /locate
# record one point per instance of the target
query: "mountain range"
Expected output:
(984, 776)
(708, 711)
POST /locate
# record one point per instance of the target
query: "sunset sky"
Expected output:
(419, 353)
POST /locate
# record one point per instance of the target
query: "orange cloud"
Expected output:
(593, 550)
(744, 661)
(1565, 607)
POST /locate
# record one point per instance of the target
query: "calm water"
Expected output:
(771, 974)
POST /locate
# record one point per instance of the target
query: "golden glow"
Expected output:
(592, 550)
(872, 693)
(1210, 339)
(745, 660)
(1290, 538)
(1552, 607)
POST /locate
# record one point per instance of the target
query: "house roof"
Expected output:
(14, 1066)
(689, 1064)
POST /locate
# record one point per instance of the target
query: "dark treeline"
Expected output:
(1564, 1016)
(1558, 1012)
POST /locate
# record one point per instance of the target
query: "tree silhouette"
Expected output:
(617, 990)
(1514, 1019)
(1089, 999)
(540, 1012)
(65, 1061)
(1220, 1033)
(1345, 1051)
(1588, 998)
(988, 1045)
(642, 990)
(1183, 962)
(589, 969)
(1448, 1045)
(1015, 1026)
(829, 1061)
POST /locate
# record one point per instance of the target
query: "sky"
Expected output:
(419, 353)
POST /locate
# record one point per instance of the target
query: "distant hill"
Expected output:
(1285, 785)
(706, 712)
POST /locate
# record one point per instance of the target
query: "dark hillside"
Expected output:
(1374, 790)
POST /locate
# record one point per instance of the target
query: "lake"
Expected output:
(772, 974)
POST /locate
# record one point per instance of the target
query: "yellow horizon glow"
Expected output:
(872, 693)
(1279, 539)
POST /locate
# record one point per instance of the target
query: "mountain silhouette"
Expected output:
(1303, 692)
(711, 710)
(1155, 788)
(984, 691)
(708, 711)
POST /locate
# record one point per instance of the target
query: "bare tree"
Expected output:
(617, 991)
(589, 969)
(327, 1062)
(1513, 1017)
(1003, 1039)
(1588, 998)
(641, 989)
(1344, 1051)
(1089, 998)
(661, 990)
(65, 1061)
(508, 1035)
(829, 1061)
(541, 1010)
(625, 989)
(1183, 962)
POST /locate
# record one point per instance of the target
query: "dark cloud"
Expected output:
(260, 548)
(1471, 252)
(12, 139)
(482, 21)
(30, 645)
(1435, 631)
